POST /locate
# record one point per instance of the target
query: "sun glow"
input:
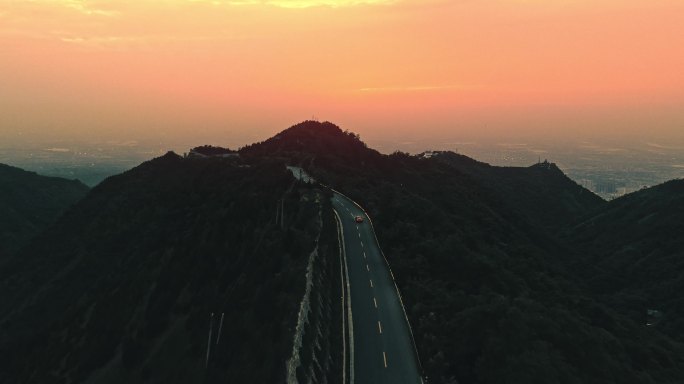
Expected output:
(306, 3)
(379, 63)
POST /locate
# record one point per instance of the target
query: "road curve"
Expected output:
(383, 350)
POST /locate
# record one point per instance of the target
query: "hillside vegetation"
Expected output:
(29, 203)
(487, 279)
(631, 255)
(122, 288)
(509, 275)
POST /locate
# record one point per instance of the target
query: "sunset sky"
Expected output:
(241, 70)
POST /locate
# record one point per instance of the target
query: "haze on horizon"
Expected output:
(242, 70)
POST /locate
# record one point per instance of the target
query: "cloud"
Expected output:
(108, 23)
(327, 3)
(661, 146)
(85, 7)
(299, 3)
(100, 41)
(113, 42)
(62, 150)
(417, 88)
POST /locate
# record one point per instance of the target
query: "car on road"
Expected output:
(358, 219)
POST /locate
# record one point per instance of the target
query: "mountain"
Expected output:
(209, 150)
(314, 138)
(123, 287)
(633, 252)
(484, 273)
(541, 193)
(490, 297)
(29, 203)
(508, 275)
(309, 142)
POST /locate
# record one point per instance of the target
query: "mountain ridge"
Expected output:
(494, 265)
(122, 288)
(30, 202)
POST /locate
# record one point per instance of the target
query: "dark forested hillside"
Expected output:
(488, 295)
(29, 203)
(477, 256)
(123, 287)
(508, 275)
(632, 254)
(324, 142)
(541, 193)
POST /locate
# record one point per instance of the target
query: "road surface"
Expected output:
(381, 349)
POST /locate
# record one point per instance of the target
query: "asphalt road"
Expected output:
(383, 350)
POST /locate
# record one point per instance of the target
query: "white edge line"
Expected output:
(415, 347)
(340, 240)
(350, 324)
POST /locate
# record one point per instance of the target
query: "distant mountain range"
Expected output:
(508, 275)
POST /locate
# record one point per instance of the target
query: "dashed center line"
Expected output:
(367, 268)
(364, 255)
(362, 244)
(379, 327)
(375, 302)
(371, 282)
(384, 358)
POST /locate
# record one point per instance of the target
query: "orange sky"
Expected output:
(241, 70)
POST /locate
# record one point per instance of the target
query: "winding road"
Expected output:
(380, 344)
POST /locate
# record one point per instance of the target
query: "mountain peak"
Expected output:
(453, 158)
(313, 127)
(170, 155)
(319, 131)
(320, 139)
(546, 165)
